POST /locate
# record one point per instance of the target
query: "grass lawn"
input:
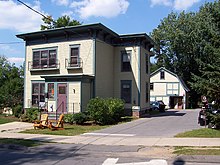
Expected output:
(21, 142)
(202, 133)
(197, 150)
(70, 130)
(7, 119)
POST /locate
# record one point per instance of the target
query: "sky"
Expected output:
(121, 16)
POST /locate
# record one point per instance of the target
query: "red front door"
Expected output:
(61, 98)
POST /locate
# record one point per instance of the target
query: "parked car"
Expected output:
(157, 105)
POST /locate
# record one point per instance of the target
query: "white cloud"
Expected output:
(7, 49)
(184, 4)
(176, 4)
(17, 17)
(100, 8)
(68, 13)
(61, 2)
(16, 60)
(161, 2)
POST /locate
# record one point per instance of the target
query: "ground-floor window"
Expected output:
(50, 90)
(38, 92)
(147, 93)
(126, 90)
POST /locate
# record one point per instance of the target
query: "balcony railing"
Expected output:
(43, 66)
(75, 63)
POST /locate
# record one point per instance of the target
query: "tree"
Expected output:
(63, 21)
(189, 45)
(11, 84)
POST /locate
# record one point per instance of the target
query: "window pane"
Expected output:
(43, 63)
(62, 90)
(52, 54)
(74, 52)
(151, 86)
(147, 70)
(126, 91)
(35, 100)
(42, 98)
(51, 90)
(42, 88)
(36, 59)
(125, 61)
(44, 54)
(38, 93)
(162, 76)
(73, 60)
(147, 91)
(36, 55)
(35, 88)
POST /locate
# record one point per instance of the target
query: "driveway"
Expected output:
(165, 124)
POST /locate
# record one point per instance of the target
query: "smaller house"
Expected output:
(168, 87)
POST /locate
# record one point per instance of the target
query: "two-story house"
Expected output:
(168, 87)
(66, 67)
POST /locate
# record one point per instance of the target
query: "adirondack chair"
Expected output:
(59, 125)
(43, 122)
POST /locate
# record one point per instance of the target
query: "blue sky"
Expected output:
(122, 16)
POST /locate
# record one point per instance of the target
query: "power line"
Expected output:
(35, 11)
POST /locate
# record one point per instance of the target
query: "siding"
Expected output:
(63, 52)
(145, 78)
(86, 95)
(133, 75)
(74, 97)
(104, 69)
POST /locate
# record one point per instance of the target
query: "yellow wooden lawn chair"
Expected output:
(43, 122)
(59, 125)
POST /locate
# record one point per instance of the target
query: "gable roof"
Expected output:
(179, 78)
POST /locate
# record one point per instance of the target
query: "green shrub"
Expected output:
(17, 110)
(116, 108)
(68, 118)
(80, 118)
(32, 114)
(214, 120)
(105, 111)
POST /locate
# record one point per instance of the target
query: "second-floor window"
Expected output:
(162, 75)
(74, 56)
(151, 86)
(45, 58)
(147, 67)
(126, 61)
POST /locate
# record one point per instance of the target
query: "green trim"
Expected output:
(94, 64)
(139, 76)
(25, 89)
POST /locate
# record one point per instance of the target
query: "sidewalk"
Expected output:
(10, 130)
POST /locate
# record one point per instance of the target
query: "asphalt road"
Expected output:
(165, 124)
(72, 154)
